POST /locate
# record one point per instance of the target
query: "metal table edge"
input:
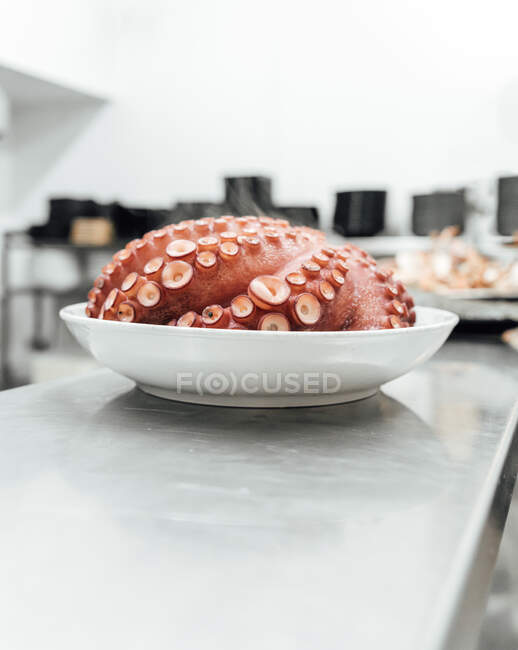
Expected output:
(457, 619)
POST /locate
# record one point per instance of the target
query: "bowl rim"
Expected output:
(447, 319)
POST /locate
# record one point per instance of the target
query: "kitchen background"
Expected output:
(157, 100)
(153, 103)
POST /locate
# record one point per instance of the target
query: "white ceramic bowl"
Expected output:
(265, 369)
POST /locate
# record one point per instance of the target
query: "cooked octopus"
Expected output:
(248, 273)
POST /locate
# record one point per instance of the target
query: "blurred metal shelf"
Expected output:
(37, 291)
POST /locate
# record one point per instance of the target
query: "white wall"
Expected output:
(5, 159)
(407, 95)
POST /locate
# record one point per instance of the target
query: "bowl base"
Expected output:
(259, 401)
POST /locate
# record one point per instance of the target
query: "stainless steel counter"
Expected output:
(132, 522)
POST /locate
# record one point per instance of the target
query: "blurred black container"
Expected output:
(437, 211)
(62, 211)
(248, 195)
(507, 209)
(360, 213)
(299, 215)
(130, 223)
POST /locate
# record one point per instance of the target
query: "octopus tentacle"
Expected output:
(247, 273)
(191, 253)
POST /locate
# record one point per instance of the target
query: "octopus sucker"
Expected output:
(228, 250)
(132, 284)
(129, 281)
(154, 264)
(274, 322)
(122, 256)
(181, 249)
(177, 274)
(248, 273)
(126, 311)
(242, 309)
(215, 316)
(220, 225)
(190, 319)
(202, 226)
(336, 278)
(394, 322)
(111, 304)
(228, 235)
(142, 251)
(209, 243)
(326, 290)
(108, 269)
(111, 298)
(397, 308)
(206, 260)
(268, 291)
(296, 280)
(149, 294)
(306, 309)
(180, 230)
(320, 259)
(252, 244)
(311, 269)
(274, 236)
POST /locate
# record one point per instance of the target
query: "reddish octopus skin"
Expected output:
(248, 273)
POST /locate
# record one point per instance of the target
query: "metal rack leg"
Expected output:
(4, 315)
(38, 341)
